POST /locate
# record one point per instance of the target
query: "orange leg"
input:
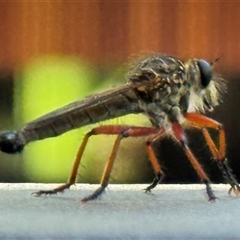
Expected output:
(219, 154)
(159, 175)
(73, 176)
(180, 135)
(122, 132)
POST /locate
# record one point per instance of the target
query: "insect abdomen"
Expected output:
(81, 113)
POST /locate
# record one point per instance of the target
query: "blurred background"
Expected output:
(52, 53)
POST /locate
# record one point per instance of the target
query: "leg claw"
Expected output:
(235, 189)
(147, 190)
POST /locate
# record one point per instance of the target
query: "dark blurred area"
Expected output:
(107, 34)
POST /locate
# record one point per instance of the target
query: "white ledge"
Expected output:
(124, 212)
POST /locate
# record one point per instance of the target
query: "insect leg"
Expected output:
(219, 154)
(73, 175)
(156, 167)
(180, 135)
(123, 132)
(222, 163)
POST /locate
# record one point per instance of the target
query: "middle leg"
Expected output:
(159, 174)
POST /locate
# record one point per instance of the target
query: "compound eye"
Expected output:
(205, 72)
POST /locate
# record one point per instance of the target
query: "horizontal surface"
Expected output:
(171, 211)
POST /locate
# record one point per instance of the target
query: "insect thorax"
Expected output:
(164, 92)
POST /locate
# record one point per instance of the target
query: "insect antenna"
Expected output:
(214, 61)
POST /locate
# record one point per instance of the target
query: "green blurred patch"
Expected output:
(43, 85)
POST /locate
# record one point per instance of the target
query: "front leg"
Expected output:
(229, 177)
(219, 154)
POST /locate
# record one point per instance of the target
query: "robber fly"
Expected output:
(170, 92)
